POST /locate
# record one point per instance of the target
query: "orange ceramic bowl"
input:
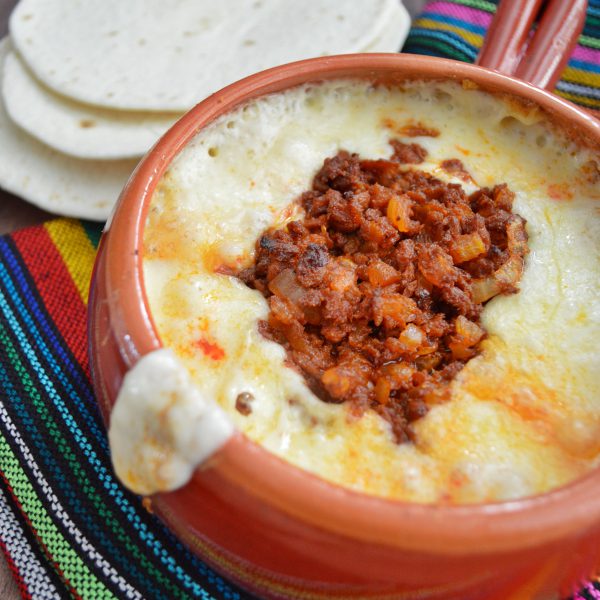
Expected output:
(284, 533)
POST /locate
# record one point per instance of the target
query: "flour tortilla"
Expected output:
(394, 33)
(141, 55)
(85, 131)
(76, 129)
(55, 182)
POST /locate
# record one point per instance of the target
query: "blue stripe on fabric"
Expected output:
(68, 491)
(580, 90)
(584, 65)
(107, 480)
(49, 354)
(41, 315)
(424, 50)
(72, 496)
(449, 38)
(454, 21)
(219, 583)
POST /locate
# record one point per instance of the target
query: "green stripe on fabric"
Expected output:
(72, 569)
(592, 21)
(479, 4)
(448, 50)
(590, 42)
(84, 482)
(93, 231)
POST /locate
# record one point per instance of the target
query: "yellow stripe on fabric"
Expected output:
(76, 250)
(581, 76)
(474, 39)
(583, 101)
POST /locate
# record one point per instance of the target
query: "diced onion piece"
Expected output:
(398, 213)
(337, 382)
(297, 338)
(382, 390)
(283, 312)
(510, 272)
(341, 274)
(340, 381)
(396, 307)
(461, 351)
(437, 395)
(286, 286)
(467, 247)
(470, 332)
(429, 361)
(381, 274)
(412, 337)
(437, 266)
(505, 279)
(400, 375)
(485, 288)
(517, 236)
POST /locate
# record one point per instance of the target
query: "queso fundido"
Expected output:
(521, 417)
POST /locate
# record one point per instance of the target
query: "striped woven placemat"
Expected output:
(67, 527)
(455, 29)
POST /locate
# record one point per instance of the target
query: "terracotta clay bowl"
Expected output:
(284, 533)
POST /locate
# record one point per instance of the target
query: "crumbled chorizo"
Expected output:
(418, 130)
(413, 154)
(454, 166)
(376, 293)
(243, 403)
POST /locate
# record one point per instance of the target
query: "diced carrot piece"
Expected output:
(381, 274)
(470, 332)
(398, 213)
(382, 390)
(396, 307)
(337, 382)
(467, 247)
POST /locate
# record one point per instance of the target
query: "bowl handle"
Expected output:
(541, 58)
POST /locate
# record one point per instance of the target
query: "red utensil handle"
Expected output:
(541, 59)
(507, 36)
(554, 41)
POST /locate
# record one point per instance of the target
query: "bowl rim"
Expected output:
(448, 529)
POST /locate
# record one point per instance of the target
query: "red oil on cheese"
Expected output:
(210, 349)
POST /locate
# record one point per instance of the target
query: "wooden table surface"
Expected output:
(15, 214)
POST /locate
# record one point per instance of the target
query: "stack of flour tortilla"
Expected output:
(88, 87)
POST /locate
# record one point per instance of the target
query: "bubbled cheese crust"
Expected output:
(524, 416)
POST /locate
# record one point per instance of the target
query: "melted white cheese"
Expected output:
(162, 427)
(524, 415)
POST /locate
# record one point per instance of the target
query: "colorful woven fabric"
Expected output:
(456, 29)
(67, 527)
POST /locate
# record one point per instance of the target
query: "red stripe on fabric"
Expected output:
(25, 594)
(56, 288)
(43, 546)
